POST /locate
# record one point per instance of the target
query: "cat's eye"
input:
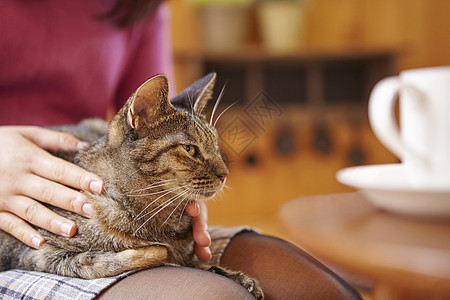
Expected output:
(190, 149)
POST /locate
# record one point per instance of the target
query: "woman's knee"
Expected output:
(175, 283)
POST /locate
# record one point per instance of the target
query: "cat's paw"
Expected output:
(251, 284)
(142, 257)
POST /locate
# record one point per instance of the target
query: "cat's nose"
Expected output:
(222, 176)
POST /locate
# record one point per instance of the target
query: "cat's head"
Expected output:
(168, 145)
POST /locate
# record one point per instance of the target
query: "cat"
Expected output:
(155, 156)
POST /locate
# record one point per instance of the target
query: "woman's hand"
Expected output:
(200, 229)
(29, 173)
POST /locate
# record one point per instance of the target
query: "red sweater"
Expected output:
(60, 63)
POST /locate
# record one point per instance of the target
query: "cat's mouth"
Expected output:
(206, 190)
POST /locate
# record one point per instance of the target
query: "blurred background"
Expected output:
(301, 72)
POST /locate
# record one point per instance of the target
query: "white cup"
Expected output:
(422, 141)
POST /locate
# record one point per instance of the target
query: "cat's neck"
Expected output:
(116, 211)
(126, 205)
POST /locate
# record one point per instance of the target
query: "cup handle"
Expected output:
(382, 116)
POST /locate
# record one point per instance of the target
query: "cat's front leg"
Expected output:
(97, 264)
(114, 263)
(251, 284)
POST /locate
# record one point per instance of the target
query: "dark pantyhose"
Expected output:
(285, 272)
(176, 283)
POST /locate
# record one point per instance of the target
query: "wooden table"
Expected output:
(406, 258)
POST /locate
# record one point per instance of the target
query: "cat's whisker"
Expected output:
(162, 181)
(139, 216)
(195, 196)
(156, 183)
(191, 102)
(132, 193)
(152, 186)
(157, 207)
(220, 194)
(153, 193)
(147, 194)
(165, 204)
(184, 208)
(185, 197)
(110, 179)
(191, 105)
(217, 104)
(224, 111)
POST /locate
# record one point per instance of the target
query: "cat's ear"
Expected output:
(195, 97)
(149, 103)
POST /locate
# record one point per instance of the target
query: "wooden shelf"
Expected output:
(259, 54)
(310, 77)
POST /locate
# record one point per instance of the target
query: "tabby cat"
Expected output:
(155, 156)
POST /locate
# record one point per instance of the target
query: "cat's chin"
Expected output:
(205, 196)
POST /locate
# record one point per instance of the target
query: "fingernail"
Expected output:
(209, 238)
(37, 241)
(82, 145)
(197, 206)
(88, 210)
(208, 251)
(66, 228)
(96, 187)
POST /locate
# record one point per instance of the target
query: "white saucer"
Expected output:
(387, 187)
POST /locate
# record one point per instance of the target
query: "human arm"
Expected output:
(30, 176)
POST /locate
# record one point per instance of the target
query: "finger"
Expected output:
(39, 215)
(59, 170)
(20, 230)
(52, 140)
(57, 195)
(200, 232)
(193, 208)
(200, 227)
(203, 253)
(56, 169)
